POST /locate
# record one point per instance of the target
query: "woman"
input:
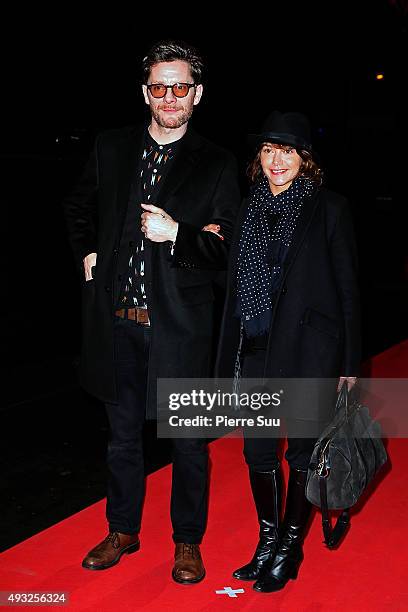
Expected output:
(292, 310)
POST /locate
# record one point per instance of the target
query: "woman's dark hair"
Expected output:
(308, 168)
(170, 51)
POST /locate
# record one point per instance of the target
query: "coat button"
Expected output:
(107, 289)
(284, 289)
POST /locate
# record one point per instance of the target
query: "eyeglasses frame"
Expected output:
(189, 85)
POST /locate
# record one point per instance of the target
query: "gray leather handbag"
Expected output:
(345, 459)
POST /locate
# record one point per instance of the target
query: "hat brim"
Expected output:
(279, 138)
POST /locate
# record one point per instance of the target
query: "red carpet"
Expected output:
(367, 573)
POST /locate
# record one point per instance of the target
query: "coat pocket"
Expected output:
(322, 323)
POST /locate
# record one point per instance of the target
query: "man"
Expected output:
(134, 223)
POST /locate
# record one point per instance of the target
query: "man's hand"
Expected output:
(157, 225)
(351, 381)
(89, 261)
(215, 229)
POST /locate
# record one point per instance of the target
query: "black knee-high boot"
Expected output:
(289, 554)
(267, 493)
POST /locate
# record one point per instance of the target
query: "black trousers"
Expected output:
(125, 449)
(261, 454)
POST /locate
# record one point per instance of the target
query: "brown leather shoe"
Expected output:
(108, 553)
(188, 567)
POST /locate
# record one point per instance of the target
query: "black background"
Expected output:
(69, 75)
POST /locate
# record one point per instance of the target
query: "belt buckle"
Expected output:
(142, 316)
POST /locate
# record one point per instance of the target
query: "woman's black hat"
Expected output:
(285, 128)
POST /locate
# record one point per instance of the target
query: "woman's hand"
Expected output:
(215, 229)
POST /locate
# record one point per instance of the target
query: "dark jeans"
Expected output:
(261, 454)
(125, 450)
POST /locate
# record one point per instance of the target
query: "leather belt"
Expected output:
(139, 315)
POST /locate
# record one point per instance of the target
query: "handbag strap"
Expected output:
(343, 398)
(332, 535)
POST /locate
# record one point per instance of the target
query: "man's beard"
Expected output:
(174, 122)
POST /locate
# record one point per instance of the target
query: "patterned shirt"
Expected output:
(155, 164)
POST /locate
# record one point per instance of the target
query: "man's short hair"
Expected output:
(170, 51)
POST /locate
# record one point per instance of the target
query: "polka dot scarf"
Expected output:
(266, 236)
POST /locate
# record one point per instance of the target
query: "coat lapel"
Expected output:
(129, 157)
(186, 159)
(308, 209)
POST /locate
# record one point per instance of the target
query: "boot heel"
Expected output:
(294, 573)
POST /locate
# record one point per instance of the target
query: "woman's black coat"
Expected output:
(315, 323)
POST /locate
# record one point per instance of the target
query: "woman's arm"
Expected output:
(343, 252)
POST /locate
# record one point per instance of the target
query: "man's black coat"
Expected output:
(200, 188)
(315, 324)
